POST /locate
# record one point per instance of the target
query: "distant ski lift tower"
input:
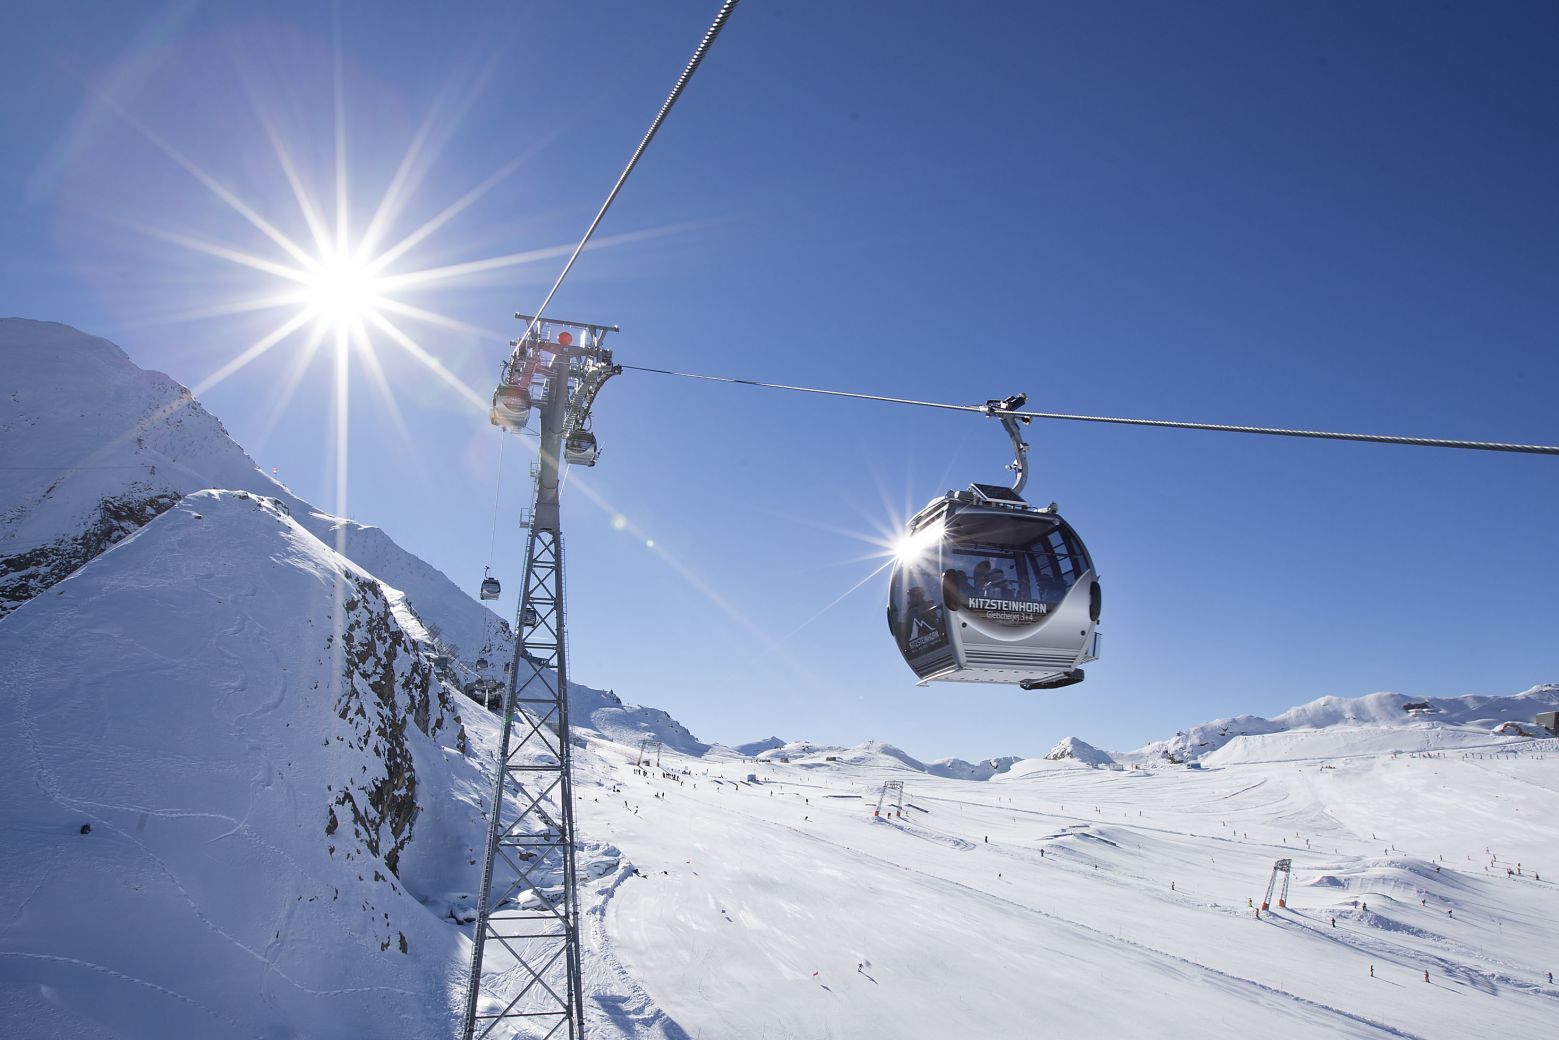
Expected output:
(647, 747)
(1284, 867)
(525, 970)
(891, 798)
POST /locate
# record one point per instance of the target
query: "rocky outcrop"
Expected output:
(388, 686)
(25, 574)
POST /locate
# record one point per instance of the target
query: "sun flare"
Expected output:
(911, 547)
(342, 291)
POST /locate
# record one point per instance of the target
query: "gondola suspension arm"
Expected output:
(1006, 410)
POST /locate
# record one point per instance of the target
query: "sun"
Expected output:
(342, 291)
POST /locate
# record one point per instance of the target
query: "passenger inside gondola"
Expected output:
(991, 581)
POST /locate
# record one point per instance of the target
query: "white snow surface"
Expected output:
(1089, 902)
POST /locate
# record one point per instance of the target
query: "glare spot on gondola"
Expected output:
(912, 547)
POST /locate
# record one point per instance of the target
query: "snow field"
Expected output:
(920, 928)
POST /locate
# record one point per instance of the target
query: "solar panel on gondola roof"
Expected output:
(998, 494)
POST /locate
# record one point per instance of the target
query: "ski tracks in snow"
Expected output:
(236, 1028)
(616, 995)
(1152, 951)
(951, 841)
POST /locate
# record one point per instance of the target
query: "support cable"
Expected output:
(676, 92)
(1374, 438)
(492, 543)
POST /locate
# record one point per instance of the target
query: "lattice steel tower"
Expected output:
(525, 967)
(1284, 867)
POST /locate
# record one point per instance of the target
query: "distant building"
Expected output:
(1549, 720)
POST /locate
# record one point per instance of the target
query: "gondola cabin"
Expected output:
(511, 407)
(490, 587)
(579, 448)
(987, 588)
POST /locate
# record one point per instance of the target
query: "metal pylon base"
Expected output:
(525, 974)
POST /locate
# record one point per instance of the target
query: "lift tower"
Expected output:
(1284, 867)
(892, 797)
(526, 945)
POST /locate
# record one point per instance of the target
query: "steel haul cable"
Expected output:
(713, 31)
(1375, 438)
(492, 546)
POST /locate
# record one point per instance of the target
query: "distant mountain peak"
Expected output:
(1375, 712)
(1079, 750)
(753, 748)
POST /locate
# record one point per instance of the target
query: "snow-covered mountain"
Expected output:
(96, 447)
(798, 749)
(1379, 721)
(958, 769)
(873, 752)
(1070, 749)
(753, 748)
(233, 782)
(605, 714)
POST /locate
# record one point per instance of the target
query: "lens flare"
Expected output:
(913, 547)
(342, 291)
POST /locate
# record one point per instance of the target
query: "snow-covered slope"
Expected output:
(1091, 902)
(1380, 722)
(96, 446)
(231, 783)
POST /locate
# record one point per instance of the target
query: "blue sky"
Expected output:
(1327, 215)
